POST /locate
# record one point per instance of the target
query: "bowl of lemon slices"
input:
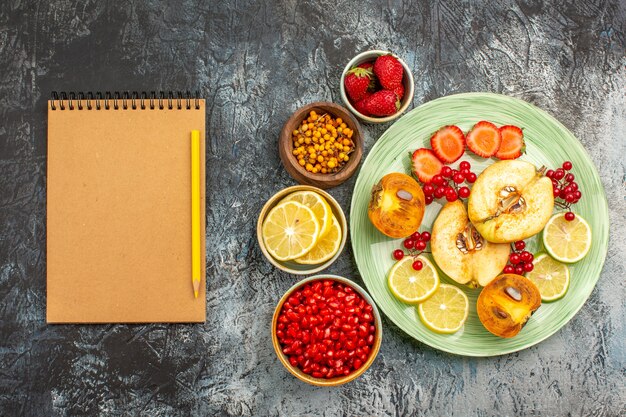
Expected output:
(302, 230)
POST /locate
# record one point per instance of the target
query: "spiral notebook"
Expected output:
(119, 208)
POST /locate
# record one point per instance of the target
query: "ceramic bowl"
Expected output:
(332, 382)
(290, 162)
(290, 266)
(409, 86)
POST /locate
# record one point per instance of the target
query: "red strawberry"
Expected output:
(382, 103)
(425, 164)
(360, 105)
(357, 81)
(484, 139)
(512, 145)
(399, 90)
(367, 65)
(448, 143)
(389, 71)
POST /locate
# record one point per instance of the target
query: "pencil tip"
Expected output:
(195, 293)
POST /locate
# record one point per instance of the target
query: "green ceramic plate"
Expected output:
(548, 143)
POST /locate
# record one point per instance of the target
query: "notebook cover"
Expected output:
(119, 215)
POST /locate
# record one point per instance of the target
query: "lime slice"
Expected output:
(290, 230)
(318, 204)
(326, 246)
(409, 285)
(567, 241)
(550, 276)
(446, 311)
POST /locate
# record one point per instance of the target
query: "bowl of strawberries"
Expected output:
(377, 86)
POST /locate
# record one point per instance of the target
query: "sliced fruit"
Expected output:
(318, 204)
(510, 201)
(446, 310)
(505, 305)
(512, 145)
(448, 143)
(550, 276)
(461, 252)
(425, 164)
(290, 230)
(326, 246)
(484, 139)
(567, 241)
(409, 285)
(397, 205)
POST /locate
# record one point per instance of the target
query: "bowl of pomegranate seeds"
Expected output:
(326, 330)
(377, 86)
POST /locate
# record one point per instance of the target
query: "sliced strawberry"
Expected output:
(512, 145)
(484, 139)
(425, 164)
(448, 143)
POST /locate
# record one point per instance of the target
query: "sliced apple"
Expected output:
(510, 201)
(461, 252)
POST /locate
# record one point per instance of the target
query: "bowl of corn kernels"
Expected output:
(321, 144)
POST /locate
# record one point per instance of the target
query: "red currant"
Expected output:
(446, 171)
(514, 258)
(416, 236)
(559, 174)
(509, 269)
(567, 165)
(420, 245)
(550, 173)
(569, 177)
(519, 270)
(525, 256)
(569, 198)
(409, 243)
(428, 189)
(440, 191)
(398, 254)
(465, 172)
(556, 191)
(458, 178)
(438, 180)
(520, 245)
(429, 199)
(528, 266)
(464, 192)
(425, 236)
(577, 194)
(418, 265)
(451, 194)
(574, 186)
(569, 216)
(465, 165)
(471, 177)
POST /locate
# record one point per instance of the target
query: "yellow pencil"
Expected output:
(195, 211)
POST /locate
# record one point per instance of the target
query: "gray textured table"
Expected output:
(255, 63)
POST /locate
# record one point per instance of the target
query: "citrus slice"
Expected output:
(413, 286)
(318, 204)
(290, 230)
(326, 246)
(567, 241)
(550, 276)
(446, 311)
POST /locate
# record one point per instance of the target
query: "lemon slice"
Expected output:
(446, 311)
(567, 241)
(290, 230)
(550, 276)
(326, 247)
(318, 204)
(413, 286)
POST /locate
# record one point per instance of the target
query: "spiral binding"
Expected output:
(124, 100)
